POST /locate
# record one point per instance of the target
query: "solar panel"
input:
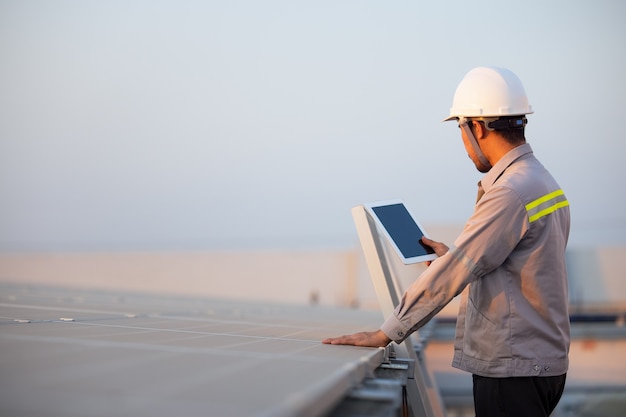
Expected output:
(71, 353)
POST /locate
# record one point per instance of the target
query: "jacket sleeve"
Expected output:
(498, 224)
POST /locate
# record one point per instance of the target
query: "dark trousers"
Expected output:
(517, 397)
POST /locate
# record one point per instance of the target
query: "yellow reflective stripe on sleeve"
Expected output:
(545, 205)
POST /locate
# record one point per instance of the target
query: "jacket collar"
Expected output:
(494, 173)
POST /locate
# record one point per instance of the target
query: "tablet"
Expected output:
(402, 230)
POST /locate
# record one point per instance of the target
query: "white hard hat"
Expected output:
(489, 92)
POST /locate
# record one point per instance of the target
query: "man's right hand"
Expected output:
(439, 248)
(371, 339)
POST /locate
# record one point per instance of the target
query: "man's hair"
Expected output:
(513, 135)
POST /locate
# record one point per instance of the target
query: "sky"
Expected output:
(141, 125)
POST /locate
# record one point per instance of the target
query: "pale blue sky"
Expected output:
(246, 124)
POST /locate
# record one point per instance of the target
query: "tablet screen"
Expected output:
(403, 230)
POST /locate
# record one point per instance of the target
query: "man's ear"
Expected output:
(479, 129)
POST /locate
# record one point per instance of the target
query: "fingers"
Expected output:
(334, 341)
(370, 339)
(341, 340)
(427, 240)
(439, 247)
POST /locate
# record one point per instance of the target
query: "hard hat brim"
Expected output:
(456, 117)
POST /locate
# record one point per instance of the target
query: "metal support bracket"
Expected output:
(422, 392)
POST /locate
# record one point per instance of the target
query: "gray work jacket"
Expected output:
(510, 260)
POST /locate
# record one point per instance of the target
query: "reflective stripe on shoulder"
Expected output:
(545, 205)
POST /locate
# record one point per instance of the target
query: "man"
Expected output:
(512, 330)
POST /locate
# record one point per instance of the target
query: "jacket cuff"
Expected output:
(394, 329)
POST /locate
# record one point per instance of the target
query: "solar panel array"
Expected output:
(84, 353)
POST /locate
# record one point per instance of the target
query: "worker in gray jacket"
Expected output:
(512, 330)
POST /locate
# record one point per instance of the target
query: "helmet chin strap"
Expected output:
(463, 123)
